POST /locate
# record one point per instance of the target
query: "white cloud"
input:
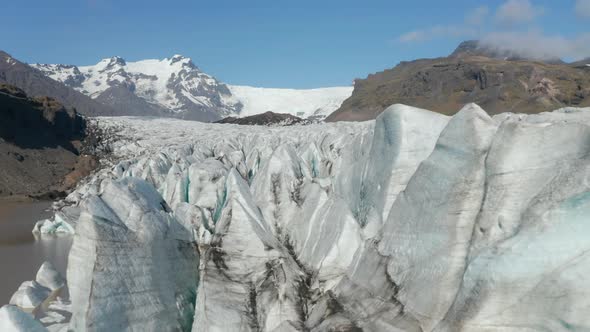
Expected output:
(437, 32)
(514, 12)
(473, 19)
(536, 45)
(510, 38)
(583, 8)
(412, 36)
(477, 16)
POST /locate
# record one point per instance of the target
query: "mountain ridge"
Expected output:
(34, 83)
(172, 87)
(469, 75)
(176, 87)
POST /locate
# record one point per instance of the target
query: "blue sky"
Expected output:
(297, 44)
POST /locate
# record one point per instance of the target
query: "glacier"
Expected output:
(304, 103)
(415, 221)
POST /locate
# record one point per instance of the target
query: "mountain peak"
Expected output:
(111, 62)
(178, 58)
(4, 54)
(495, 51)
(477, 48)
(7, 58)
(117, 60)
(466, 47)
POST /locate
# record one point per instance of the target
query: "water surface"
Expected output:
(21, 253)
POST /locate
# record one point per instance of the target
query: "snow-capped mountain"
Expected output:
(170, 87)
(175, 87)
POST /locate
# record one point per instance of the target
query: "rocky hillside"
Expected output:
(582, 63)
(39, 144)
(35, 83)
(264, 119)
(471, 74)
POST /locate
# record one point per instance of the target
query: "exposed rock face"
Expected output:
(39, 143)
(264, 119)
(122, 99)
(414, 222)
(471, 74)
(34, 83)
(24, 119)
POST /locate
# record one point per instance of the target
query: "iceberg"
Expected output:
(31, 295)
(48, 277)
(63, 221)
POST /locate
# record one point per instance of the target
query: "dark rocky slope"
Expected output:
(34, 83)
(469, 75)
(583, 64)
(264, 119)
(40, 141)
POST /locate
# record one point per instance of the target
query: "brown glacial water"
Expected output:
(22, 253)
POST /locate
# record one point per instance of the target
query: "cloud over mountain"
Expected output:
(513, 30)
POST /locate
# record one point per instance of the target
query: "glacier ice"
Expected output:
(31, 295)
(53, 226)
(13, 319)
(131, 265)
(413, 222)
(428, 231)
(48, 277)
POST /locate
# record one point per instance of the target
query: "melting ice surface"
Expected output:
(413, 222)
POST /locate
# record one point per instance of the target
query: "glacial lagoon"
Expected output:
(21, 252)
